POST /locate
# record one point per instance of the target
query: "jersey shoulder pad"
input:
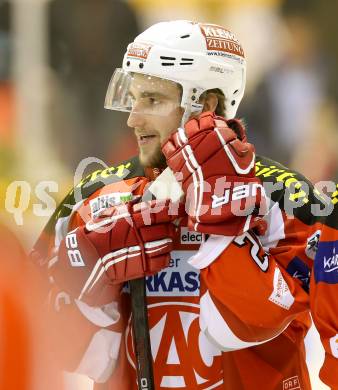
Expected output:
(93, 182)
(295, 194)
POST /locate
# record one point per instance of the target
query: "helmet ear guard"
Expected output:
(190, 103)
(198, 57)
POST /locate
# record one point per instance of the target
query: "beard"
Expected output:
(153, 159)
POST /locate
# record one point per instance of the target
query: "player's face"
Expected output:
(156, 114)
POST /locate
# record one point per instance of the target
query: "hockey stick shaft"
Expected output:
(142, 346)
(165, 186)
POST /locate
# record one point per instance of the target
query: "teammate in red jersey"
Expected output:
(25, 359)
(228, 278)
(324, 303)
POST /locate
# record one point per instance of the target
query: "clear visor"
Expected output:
(142, 94)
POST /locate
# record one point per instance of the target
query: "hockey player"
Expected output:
(228, 278)
(323, 288)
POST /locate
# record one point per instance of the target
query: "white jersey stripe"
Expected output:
(91, 277)
(218, 331)
(238, 169)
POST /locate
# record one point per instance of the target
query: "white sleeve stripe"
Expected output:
(210, 250)
(119, 252)
(182, 135)
(157, 249)
(119, 259)
(129, 255)
(52, 261)
(247, 223)
(103, 316)
(97, 278)
(276, 230)
(193, 172)
(118, 256)
(179, 142)
(198, 185)
(238, 169)
(152, 244)
(91, 277)
(187, 161)
(217, 330)
(191, 156)
(201, 191)
(136, 248)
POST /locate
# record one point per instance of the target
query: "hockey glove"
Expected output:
(126, 242)
(217, 168)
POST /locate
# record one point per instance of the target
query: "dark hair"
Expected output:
(220, 109)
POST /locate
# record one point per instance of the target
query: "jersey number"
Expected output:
(256, 251)
(74, 255)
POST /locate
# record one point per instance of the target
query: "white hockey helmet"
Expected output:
(197, 56)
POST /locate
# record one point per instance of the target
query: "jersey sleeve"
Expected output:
(253, 287)
(246, 297)
(324, 297)
(87, 339)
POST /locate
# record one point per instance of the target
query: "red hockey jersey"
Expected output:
(228, 313)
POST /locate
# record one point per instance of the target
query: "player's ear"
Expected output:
(210, 102)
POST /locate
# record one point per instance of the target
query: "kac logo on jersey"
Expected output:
(183, 356)
(326, 262)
